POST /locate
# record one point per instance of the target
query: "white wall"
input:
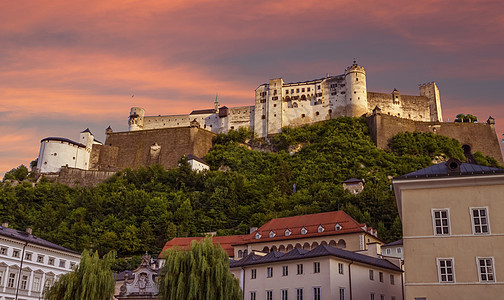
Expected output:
(54, 154)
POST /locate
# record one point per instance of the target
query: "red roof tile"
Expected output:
(226, 242)
(327, 220)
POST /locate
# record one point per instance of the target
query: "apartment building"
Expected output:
(453, 231)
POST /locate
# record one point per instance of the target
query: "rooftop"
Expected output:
(226, 242)
(322, 250)
(451, 168)
(203, 111)
(394, 243)
(60, 139)
(31, 239)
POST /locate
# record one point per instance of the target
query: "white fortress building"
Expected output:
(279, 104)
(56, 152)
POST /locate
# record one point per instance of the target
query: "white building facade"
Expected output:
(28, 264)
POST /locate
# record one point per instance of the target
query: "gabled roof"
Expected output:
(87, 130)
(226, 242)
(203, 111)
(394, 243)
(322, 250)
(311, 223)
(442, 169)
(194, 157)
(31, 239)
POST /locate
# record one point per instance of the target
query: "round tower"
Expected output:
(136, 119)
(356, 92)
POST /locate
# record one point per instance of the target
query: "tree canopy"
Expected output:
(466, 118)
(92, 279)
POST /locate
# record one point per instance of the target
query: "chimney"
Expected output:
(29, 230)
(5, 225)
(252, 229)
(373, 249)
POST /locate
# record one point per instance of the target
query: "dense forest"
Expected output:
(299, 171)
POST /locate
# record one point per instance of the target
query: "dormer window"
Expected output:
(337, 227)
(257, 236)
(321, 228)
(303, 230)
(287, 232)
(272, 234)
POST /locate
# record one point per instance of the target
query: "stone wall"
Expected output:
(479, 136)
(166, 146)
(77, 177)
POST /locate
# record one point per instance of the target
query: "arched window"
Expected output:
(274, 248)
(314, 245)
(332, 243)
(303, 97)
(289, 247)
(245, 253)
(295, 105)
(306, 246)
(281, 248)
(240, 253)
(341, 244)
(265, 249)
(323, 243)
(298, 246)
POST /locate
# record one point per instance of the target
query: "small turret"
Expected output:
(109, 130)
(216, 103)
(356, 91)
(136, 118)
(431, 91)
(86, 138)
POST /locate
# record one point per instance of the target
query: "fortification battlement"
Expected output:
(427, 84)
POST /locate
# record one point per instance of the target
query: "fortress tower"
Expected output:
(136, 119)
(356, 92)
(431, 91)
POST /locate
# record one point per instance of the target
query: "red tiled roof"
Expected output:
(328, 220)
(226, 242)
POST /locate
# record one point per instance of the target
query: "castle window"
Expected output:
(274, 92)
(263, 117)
(308, 89)
(303, 115)
(274, 115)
(356, 79)
(292, 91)
(74, 156)
(302, 90)
(297, 90)
(343, 92)
(330, 111)
(274, 98)
(355, 92)
(286, 91)
(295, 105)
(232, 127)
(318, 87)
(274, 105)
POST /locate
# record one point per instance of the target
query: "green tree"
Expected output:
(20, 173)
(202, 272)
(466, 118)
(92, 279)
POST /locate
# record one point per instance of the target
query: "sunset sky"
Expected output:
(69, 65)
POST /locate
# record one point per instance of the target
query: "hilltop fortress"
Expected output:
(164, 139)
(279, 104)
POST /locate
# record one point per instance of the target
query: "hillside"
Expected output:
(139, 210)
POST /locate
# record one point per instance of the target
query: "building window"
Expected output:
(1, 277)
(12, 279)
(445, 269)
(3, 250)
(297, 90)
(371, 275)
(28, 256)
(284, 295)
(287, 232)
(285, 270)
(380, 276)
(392, 282)
(269, 295)
(270, 272)
(40, 258)
(303, 115)
(316, 267)
(300, 269)
(388, 251)
(15, 253)
(299, 294)
(292, 91)
(337, 227)
(51, 261)
(340, 268)
(485, 269)
(257, 235)
(302, 90)
(398, 250)
(372, 296)
(316, 293)
(252, 295)
(342, 293)
(253, 274)
(320, 228)
(287, 92)
(272, 234)
(441, 221)
(480, 220)
(307, 89)
(318, 87)
(382, 297)
(303, 230)
(24, 282)
(240, 253)
(36, 284)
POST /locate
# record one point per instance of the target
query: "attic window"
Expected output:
(287, 232)
(272, 234)
(303, 230)
(321, 228)
(337, 227)
(257, 236)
